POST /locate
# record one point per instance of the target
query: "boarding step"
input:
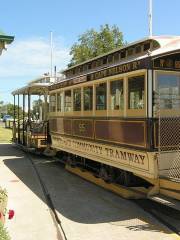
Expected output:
(167, 201)
(169, 188)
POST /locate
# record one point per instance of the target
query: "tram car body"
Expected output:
(119, 114)
(30, 130)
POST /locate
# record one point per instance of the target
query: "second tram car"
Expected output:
(118, 115)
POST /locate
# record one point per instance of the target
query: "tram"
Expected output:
(118, 116)
(30, 130)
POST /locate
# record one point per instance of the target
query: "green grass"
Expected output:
(5, 134)
(3, 233)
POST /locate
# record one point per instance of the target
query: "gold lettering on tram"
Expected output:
(116, 154)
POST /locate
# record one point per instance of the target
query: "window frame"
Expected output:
(74, 89)
(68, 112)
(116, 112)
(137, 112)
(50, 107)
(103, 111)
(164, 112)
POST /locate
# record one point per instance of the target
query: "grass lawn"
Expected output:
(5, 134)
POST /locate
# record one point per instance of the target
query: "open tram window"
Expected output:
(52, 103)
(77, 99)
(116, 95)
(168, 86)
(136, 92)
(60, 102)
(88, 98)
(101, 96)
(110, 58)
(68, 101)
(116, 57)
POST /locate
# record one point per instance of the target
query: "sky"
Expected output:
(31, 22)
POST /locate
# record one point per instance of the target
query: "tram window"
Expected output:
(76, 70)
(130, 51)
(89, 65)
(94, 64)
(105, 60)
(138, 49)
(85, 67)
(77, 99)
(169, 90)
(123, 54)
(116, 57)
(110, 58)
(88, 98)
(101, 92)
(146, 46)
(67, 101)
(155, 44)
(116, 95)
(98, 62)
(136, 92)
(81, 69)
(52, 105)
(60, 102)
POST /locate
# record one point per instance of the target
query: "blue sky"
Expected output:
(31, 22)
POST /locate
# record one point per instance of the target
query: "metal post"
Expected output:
(14, 108)
(150, 18)
(23, 118)
(51, 42)
(18, 122)
(29, 107)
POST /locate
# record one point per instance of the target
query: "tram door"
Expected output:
(168, 122)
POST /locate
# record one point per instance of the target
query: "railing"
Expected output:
(167, 111)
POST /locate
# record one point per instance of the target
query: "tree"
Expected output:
(92, 43)
(9, 109)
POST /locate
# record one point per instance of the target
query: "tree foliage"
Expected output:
(9, 109)
(92, 43)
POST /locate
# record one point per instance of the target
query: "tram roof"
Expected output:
(166, 44)
(32, 89)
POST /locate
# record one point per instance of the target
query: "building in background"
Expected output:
(4, 40)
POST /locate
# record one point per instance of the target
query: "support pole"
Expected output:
(29, 107)
(18, 122)
(14, 122)
(23, 118)
(14, 108)
(150, 18)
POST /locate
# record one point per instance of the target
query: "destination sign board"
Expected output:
(123, 68)
(171, 62)
(105, 72)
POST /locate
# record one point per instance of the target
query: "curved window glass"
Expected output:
(60, 102)
(116, 95)
(77, 99)
(88, 98)
(67, 101)
(168, 87)
(136, 92)
(52, 103)
(101, 96)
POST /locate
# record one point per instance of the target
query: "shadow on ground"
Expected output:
(77, 200)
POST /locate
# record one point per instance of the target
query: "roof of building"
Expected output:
(6, 38)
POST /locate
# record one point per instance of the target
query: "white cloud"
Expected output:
(31, 57)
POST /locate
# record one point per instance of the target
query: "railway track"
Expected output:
(57, 222)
